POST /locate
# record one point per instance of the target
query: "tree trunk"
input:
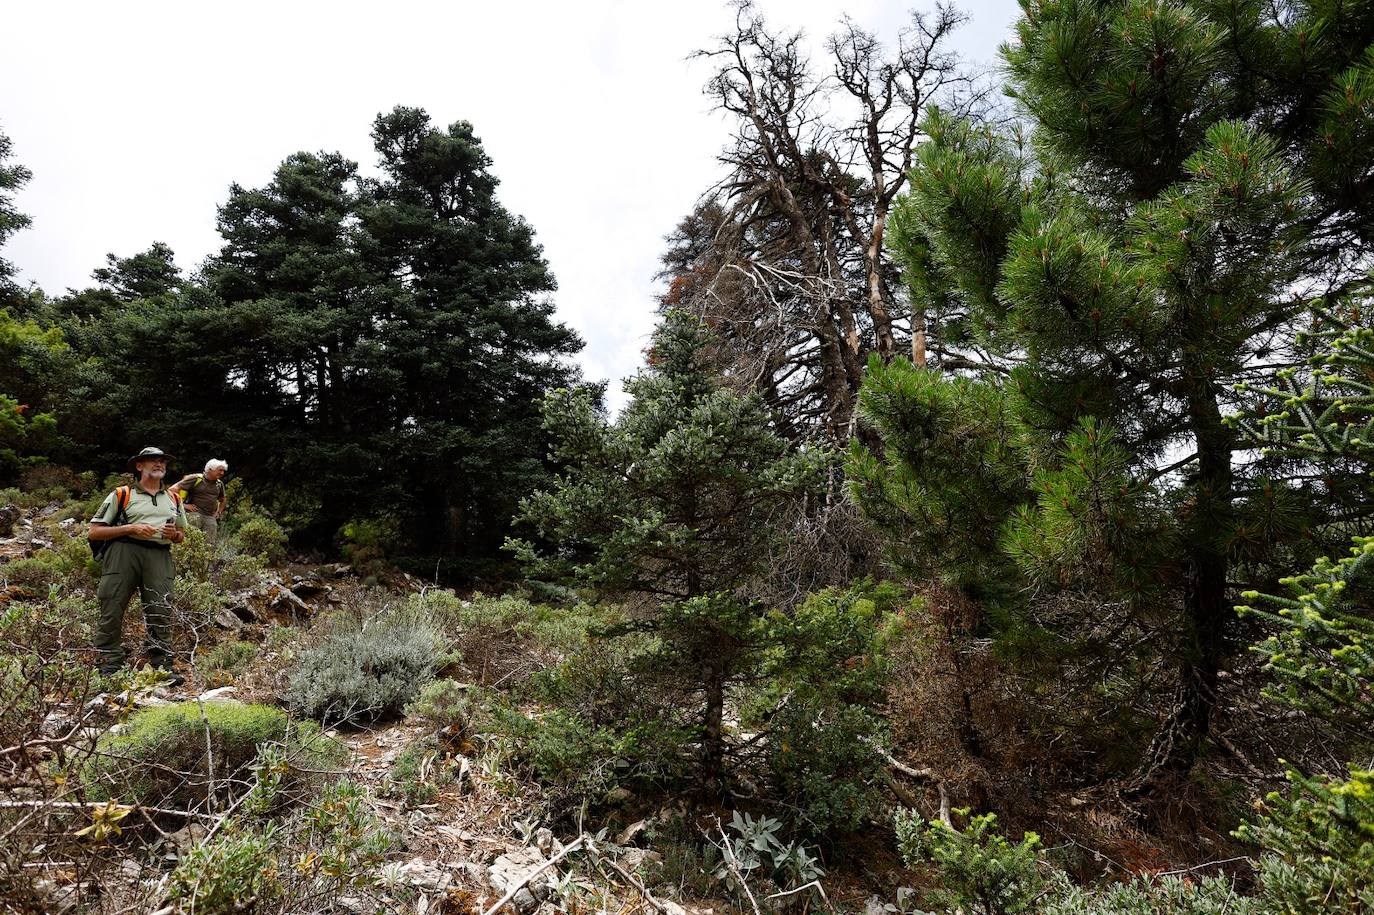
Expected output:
(713, 737)
(1176, 745)
(455, 519)
(918, 335)
(877, 308)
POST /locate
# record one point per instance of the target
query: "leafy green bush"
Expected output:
(67, 565)
(261, 536)
(572, 758)
(366, 673)
(235, 872)
(419, 772)
(368, 543)
(194, 556)
(227, 659)
(161, 758)
(1165, 896)
(825, 676)
(279, 636)
(981, 871)
(440, 705)
(821, 764)
(329, 846)
(195, 603)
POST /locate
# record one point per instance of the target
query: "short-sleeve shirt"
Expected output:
(144, 508)
(201, 493)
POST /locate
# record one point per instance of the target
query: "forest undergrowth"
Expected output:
(351, 739)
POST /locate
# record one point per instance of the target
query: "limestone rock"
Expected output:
(288, 602)
(9, 514)
(188, 837)
(545, 841)
(243, 610)
(425, 875)
(228, 619)
(512, 868)
(633, 859)
(628, 834)
(309, 587)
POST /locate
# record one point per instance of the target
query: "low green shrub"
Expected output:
(228, 659)
(261, 536)
(824, 678)
(1318, 839)
(328, 847)
(573, 759)
(1165, 896)
(981, 872)
(237, 871)
(440, 705)
(822, 764)
(194, 556)
(195, 603)
(419, 772)
(366, 673)
(166, 758)
(368, 543)
(226, 569)
(346, 839)
(68, 565)
(279, 636)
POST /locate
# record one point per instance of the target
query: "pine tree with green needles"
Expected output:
(12, 177)
(25, 429)
(1191, 178)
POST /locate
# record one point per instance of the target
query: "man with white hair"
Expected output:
(203, 495)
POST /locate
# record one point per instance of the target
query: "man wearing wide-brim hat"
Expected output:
(139, 528)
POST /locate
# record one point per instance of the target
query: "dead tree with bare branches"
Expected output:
(785, 257)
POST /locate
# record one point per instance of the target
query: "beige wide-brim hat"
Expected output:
(149, 453)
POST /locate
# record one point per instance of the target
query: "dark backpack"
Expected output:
(122, 494)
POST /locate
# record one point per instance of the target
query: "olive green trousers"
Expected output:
(206, 524)
(127, 567)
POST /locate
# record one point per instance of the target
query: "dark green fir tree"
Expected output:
(668, 508)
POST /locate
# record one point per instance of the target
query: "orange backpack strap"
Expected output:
(122, 495)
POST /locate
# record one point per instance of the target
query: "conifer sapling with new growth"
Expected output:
(668, 508)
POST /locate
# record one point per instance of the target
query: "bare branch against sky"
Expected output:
(596, 121)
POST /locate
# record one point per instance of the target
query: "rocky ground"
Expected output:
(475, 844)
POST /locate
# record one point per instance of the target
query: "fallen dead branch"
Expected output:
(85, 805)
(638, 886)
(816, 884)
(923, 774)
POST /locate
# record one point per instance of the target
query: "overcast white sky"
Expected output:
(136, 117)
